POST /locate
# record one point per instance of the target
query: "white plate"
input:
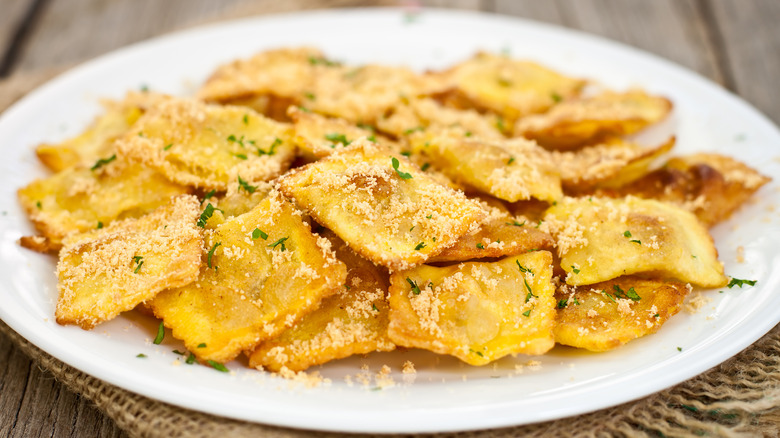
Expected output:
(446, 395)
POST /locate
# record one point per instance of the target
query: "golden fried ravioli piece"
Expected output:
(317, 136)
(584, 121)
(606, 315)
(353, 321)
(510, 87)
(409, 116)
(208, 146)
(363, 94)
(511, 170)
(600, 239)
(383, 206)
(477, 312)
(711, 186)
(81, 199)
(97, 141)
(111, 270)
(614, 163)
(500, 234)
(285, 73)
(262, 271)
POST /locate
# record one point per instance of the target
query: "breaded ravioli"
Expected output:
(476, 311)
(383, 206)
(111, 270)
(262, 271)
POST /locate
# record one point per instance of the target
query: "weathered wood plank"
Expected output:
(65, 33)
(33, 404)
(750, 41)
(453, 4)
(673, 29)
(13, 14)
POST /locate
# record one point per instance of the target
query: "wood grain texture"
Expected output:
(647, 25)
(33, 404)
(65, 33)
(749, 45)
(13, 12)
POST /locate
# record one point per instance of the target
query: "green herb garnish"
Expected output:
(102, 162)
(403, 175)
(138, 260)
(480, 245)
(217, 366)
(190, 359)
(170, 145)
(415, 288)
(335, 137)
(272, 149)
(258, 233)
(160, 334)
(245, 185)
(211, 253)
(419, 246)
(205, 216)
(279, 242)
(527, 312)
(738, 282)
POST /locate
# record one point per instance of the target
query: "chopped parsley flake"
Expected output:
(141, 355)
(38, 204)
(211, 253)
(415, 288)
(241, 156)
(523, 269)
(478, 353)
(245, 185)
(516, 223)
(556, 97)
(480, 245)
(511, 160)
(202, 345)
(258, 233)
(138, 260)
(217, 366)
(500, 124)
(575, 270)
(738, 282)
(636, 241)
(279, 242)
(627, 233)
(415, 129)
(246, 119)
(373, 306)
(335, 137)
(102, 162)
(679, 348)
(240, 140)
(530, 294)
(190, 359)
(527, 312)
(562, 303)
(419, 246)
(403, 175)
(206, 215)
(425, 167)
(170, 145)
(272, 149)
(208, 195)
(160, 334)
(180, 353)
(310, 96)
(99, 225)
(313, 60)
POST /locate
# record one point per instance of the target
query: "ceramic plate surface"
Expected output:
(444, 395)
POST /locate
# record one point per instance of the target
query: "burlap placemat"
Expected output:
(738, 398)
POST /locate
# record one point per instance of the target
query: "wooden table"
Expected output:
(733, 42)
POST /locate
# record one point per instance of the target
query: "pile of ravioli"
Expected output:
(300, 210)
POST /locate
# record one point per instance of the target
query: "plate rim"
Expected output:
(36, 337)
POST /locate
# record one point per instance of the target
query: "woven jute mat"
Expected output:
(741, 397)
